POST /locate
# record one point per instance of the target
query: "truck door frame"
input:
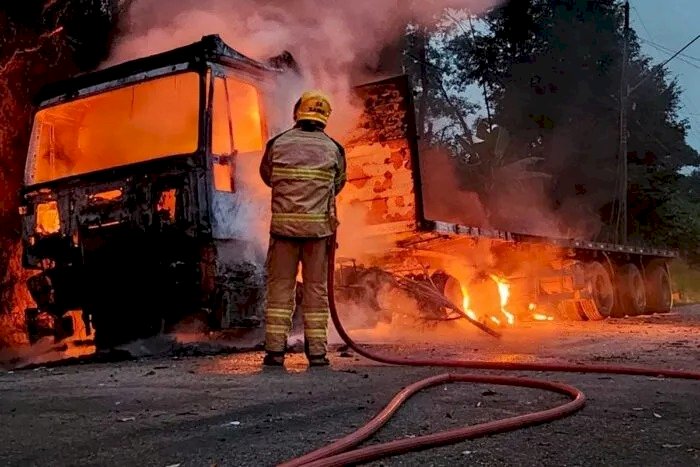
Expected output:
(224, 198)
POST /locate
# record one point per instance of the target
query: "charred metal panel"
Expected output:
(239, 289)
(152, 196)
(380, 152)
(209, 48)
(117, 83)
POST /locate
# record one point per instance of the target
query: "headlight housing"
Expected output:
(48, 219)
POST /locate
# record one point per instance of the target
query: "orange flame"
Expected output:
(465, 305)
(47, 218)
(504, 293)
(510, 317)
(541, 317)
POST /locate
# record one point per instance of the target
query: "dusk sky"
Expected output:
(671, 24)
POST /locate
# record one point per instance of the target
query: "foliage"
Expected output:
(551, 69)
(41, 41)
(685, 282)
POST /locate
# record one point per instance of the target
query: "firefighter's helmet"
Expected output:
(313, 105)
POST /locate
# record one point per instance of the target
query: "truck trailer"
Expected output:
(142, 208)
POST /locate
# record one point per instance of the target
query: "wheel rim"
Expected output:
(602, 295)
(638, 294)
(666, 296)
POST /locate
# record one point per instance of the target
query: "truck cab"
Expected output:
(131, 200)
(143, 209)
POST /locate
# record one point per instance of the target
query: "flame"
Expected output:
(504, 293)
(135, 123)
(510, 317)
(532, 307)
(47, 218)
(110, 195)
(465, 305)
(541, 317)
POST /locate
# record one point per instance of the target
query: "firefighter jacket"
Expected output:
(306, 170)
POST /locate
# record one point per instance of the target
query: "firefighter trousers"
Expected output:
(283, 258)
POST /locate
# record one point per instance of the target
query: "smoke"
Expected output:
(332, 39)
(514, 198)
(443, 197)
(337, 43)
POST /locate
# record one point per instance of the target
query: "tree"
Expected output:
(552, 69)
(42, 41)
(443, 109)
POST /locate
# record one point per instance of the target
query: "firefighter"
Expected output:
(306, 170)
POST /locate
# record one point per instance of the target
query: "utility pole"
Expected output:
(422, 39)
(625, 92)
(621, 221)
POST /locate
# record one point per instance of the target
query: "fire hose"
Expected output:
(341, 452)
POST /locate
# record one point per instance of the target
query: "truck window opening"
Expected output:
(237, 125)
(133, 124)
(236, 128)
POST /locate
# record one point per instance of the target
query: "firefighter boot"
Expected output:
(315, 360)
(319, 361)
(274, 359)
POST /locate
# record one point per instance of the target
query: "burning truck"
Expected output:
(138, 188)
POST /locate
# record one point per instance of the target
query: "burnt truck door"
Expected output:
(236, 135)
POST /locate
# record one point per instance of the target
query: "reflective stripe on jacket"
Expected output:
(306, 170)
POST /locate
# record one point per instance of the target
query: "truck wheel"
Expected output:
(658, 287)
(113, 328)
(453, 291)
(450, 287)
(601, 287)
(631, 292)
(107, 331)
(39, 325)
(63, 327)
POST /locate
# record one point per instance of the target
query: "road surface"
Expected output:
(225, 410)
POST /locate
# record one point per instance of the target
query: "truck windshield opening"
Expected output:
(136, 123)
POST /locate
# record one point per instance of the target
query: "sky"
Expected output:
(671, 24)
(667, 24)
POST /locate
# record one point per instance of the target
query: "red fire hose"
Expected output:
(338, 453)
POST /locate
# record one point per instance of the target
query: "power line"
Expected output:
(661, 49)
(642, 22)
(649, 41)
(678, 53)
(668, 49)
(630, 90)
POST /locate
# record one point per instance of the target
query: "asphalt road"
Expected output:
(226, 411)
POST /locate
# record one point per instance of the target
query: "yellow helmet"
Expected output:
(313, 105)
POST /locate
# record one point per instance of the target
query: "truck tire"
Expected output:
(453, 291)
(658, 287)
(632, 299)
(601, 287)
(39, 325)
